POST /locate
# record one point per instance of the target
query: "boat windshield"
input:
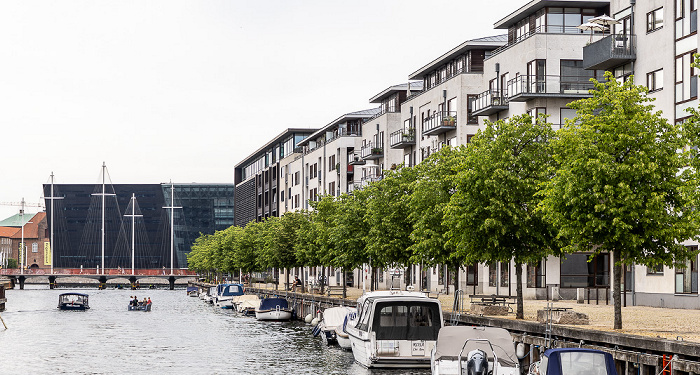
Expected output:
(232, 290)
(406, 320)
(72, 298)
(575, 363)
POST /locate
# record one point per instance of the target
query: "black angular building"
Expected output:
(200, 208)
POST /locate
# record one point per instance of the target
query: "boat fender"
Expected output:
(308, 318)
(315, 321)
(316, 330)
(520, 350)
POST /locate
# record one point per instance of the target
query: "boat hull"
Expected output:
(279, 315)
(140, 308)
(343, 340)
(73, 307)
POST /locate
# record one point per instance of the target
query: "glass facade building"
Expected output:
(204, 208)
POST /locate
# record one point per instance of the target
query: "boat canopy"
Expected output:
(400, 319)
(272, 303)
(334, 316)
(451, 340)
(577, 361)
(229, 289)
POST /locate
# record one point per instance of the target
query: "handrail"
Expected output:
(549, 29)
(402, 135)
(440, 118)
(489, 98)
(548, 84)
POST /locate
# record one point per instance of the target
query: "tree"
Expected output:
(431, 192)
(492, 215)
(388, 218)
(617, 188)
(348, 233)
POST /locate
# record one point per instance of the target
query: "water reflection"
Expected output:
(181, 335)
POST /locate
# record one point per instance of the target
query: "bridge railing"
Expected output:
(94, 271)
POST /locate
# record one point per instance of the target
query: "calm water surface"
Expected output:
(181, 335)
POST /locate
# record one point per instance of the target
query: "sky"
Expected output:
(182, 91)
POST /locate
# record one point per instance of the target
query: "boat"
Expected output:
(474, 350)
(574, 361)
(192, 291)
(246, 304)
(273, 309)
(73, 301)
(341, 333)
(146, 307)
(209, 295)
(333, 317)
(225, 293)
(395, 329)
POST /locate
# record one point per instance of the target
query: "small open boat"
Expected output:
(273, 309)
(246, 304)
(333, 317)
(192, 291)
(146, 307)
(474, 350)
(73, 301)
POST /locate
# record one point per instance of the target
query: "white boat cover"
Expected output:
(451, 340)
(246, 301)
(334, 316)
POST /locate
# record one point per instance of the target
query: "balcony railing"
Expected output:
(550, 29)
(372, 151)
(523, 88)
(402, 138)
(354, 158)
(440, 122)
(490, 102)
(612, 51)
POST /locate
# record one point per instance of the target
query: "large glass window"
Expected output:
(577, 271)
(536, 275)
(493, 274)
(655, 19)
(687, 276)
(655, 80)
(505, 274)
(686, 78)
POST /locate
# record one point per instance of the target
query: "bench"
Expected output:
(335, 291)
(492, 300)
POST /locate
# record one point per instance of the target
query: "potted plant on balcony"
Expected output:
(376, 150)
(448, 121)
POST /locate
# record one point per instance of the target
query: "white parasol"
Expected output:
(604, 20)
(589, 26)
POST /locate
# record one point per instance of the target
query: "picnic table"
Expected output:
(492, 300)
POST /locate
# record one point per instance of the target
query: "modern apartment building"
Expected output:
(256, 177)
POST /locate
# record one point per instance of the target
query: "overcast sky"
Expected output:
(184, 90)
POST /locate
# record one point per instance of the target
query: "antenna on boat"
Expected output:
(172, 224)
(103, 194)
(133, 217)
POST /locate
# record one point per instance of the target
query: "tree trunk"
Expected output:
(286, 277)
(520, 312)
(371, 279)
(303, 280)
(276, 272)
(345, 284)
(617, 282)
(456, 278)
(323, 277)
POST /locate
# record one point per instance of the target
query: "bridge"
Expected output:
(20, 276)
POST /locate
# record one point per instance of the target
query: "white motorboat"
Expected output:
(395, 329)
(273, 309)
(246, 304)
(341, 333)
(225, 294)
(478, 350)
(333, 318)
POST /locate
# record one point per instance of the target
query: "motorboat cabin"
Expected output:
(273, 309)
(574, 361)
(476, 350)
(73, 301)
(395, 329)
(225, 294)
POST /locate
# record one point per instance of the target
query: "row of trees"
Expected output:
(618, 178)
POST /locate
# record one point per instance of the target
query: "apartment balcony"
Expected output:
(610, 52)
(490, 102)
(402, 138)
(354, 158)
(440, 122)
(524, 88)
(370, 151)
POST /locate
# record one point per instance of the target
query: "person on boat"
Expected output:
(144, 302)
(135, 301)
(149, 300)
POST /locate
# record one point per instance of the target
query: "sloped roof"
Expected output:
(415, 86)
(488, 42)
(31, 229)
(8, 231)
(16, 220)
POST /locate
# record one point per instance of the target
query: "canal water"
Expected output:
(181, 335)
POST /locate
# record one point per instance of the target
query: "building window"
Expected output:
(655, 80)
(493, 274)
(535, 275)
(687, 276)
(331, 163)
(656, 270)
(472, 274)
(505, 273)
(655, 19)
(578, 272)
(686, 78)
(35, 247)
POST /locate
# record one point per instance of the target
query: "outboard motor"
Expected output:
(477, 363)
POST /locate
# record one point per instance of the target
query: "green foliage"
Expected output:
(431, 191)
(388, 217)
(618, 186)
(349, 231)
(12, 263)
